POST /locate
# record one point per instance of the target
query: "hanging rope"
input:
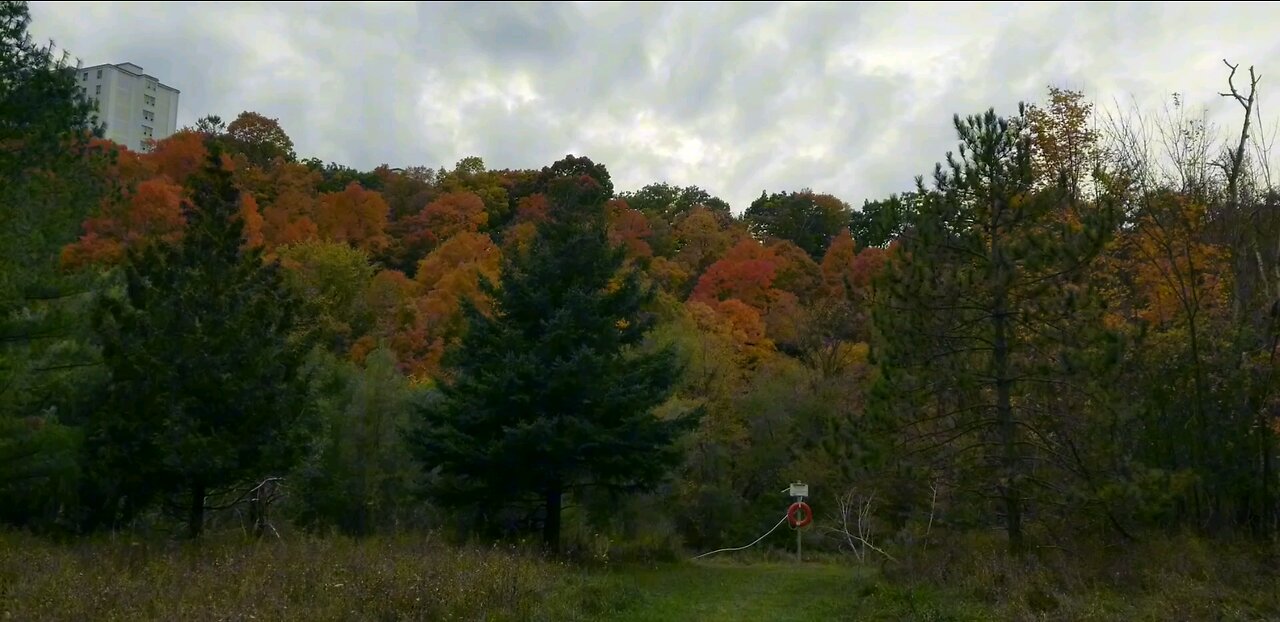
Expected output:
(739, 548)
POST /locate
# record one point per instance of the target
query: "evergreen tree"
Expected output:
(554, 390)
(49, 182)
(205, 391)
(984, 305)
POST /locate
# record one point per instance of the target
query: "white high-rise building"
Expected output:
(134, 106)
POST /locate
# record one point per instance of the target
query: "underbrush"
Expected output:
(1164, 578)
(331, 578)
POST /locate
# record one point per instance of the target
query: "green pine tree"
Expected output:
(205, 390)
(554, 391)
(49, 183)
(986, 317)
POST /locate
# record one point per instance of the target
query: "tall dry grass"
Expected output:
(1163, 577)
(331, 578)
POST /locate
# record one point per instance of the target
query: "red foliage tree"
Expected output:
(450, 214)
(847, 273)
(151, 211)
(533, 208)
(178, 156)
(746, 273)
(629, 229)
(355, 215)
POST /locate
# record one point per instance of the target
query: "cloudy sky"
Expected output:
(851, 99)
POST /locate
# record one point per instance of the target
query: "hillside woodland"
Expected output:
(1065, 332)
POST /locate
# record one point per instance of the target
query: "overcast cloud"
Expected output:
(851, 99)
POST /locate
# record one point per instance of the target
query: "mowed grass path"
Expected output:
(714, 592)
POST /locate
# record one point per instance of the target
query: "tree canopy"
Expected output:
(555, 374)
(204, 387)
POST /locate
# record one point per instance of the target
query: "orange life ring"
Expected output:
(795, 508)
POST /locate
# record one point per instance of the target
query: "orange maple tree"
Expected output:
(389, 298)
(746, 273)
(178, 156)
(629, 229)
(450, 214)
(847, 273)
(355, 215)
(1180, 276)
(150, 211)
(447, 277)
(288, 201)
(252, 218)
(797, 273)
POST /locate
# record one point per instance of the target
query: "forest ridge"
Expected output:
(1068, 327)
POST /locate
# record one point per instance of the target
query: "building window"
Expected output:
(146, 131)
(151, 85)
(99, 74)
(85, 77)
(147, 115)
(150, 101)
(97, 90)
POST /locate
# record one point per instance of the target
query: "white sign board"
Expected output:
(799, 490)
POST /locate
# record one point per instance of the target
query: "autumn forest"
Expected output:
(1064, 333)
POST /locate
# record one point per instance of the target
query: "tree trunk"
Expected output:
(195, 515)
(1007, 428)
(1200, 445)
(260, 507)
(1267, 510)
(551, 525)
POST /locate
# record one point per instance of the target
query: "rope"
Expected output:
(739, 548)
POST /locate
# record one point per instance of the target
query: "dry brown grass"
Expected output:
(1162, 578)
(403, 578)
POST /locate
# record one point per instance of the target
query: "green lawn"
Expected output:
(1193, 581)
(712, 591)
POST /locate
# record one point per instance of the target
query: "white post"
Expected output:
(798, 490)
(798, 558)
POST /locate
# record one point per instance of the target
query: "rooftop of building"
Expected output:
(133, 70)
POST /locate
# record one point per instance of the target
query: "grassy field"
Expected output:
(712, 592)
(418, 578)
